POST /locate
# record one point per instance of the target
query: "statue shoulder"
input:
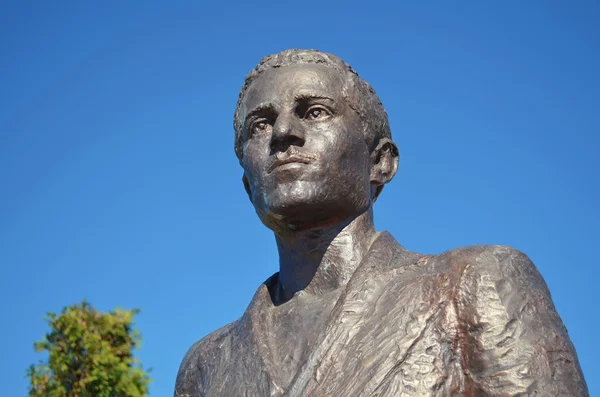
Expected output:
(194, 367)
(498, 262)
(506, 319)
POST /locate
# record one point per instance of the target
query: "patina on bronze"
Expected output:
(351, 312)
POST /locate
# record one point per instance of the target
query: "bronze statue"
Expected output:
(351, 312)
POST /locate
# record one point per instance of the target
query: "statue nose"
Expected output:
(286, 133)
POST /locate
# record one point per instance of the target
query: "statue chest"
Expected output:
(390, 338)
(385, 338)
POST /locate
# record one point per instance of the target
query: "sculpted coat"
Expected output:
(474, 321)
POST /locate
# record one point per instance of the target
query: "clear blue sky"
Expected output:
(119, 183)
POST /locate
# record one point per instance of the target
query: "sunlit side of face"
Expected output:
(305, 158)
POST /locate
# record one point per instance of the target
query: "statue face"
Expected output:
(306, 162)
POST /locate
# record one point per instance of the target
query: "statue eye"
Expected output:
(316, 113)
(260, 126)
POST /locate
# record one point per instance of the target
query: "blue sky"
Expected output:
(119, 183)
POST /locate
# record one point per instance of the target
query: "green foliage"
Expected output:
(89, 355)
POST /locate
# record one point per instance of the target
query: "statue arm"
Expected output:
(512, 340)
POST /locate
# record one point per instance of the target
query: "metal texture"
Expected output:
(351, 312)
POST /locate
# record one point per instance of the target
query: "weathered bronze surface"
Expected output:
(351, 312)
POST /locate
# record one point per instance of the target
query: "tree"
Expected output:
(90, 354)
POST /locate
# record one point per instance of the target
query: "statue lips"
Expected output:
(292, 155)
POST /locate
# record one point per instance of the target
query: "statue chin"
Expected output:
(309, 214)
(297, 217)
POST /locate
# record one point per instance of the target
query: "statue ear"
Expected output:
(384, 165)
(247, 186)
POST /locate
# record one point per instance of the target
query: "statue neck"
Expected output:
(318, 261)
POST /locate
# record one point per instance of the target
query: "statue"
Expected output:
(351, 312)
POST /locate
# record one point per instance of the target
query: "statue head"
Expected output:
(314, 141)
